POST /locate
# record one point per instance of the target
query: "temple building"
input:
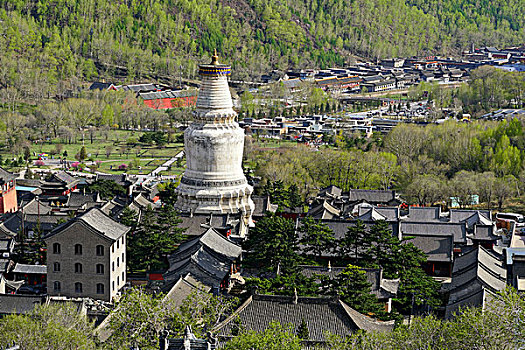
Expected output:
(214, 182)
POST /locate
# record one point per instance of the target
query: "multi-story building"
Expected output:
(86, 257)
(8, 203)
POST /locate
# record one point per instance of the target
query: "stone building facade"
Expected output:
(86, 257)
(213, 181)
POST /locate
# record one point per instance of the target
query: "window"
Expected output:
(123, 258)
(118, 263)
(56, 286)
(78, 287)
(78, 268)
(56, 248)
(118, 281)
(118, 244)
(100, 269)
(113, 285)
(56, 267)
(123, 279)
(100, 288)
(112, 266)
(100, 250)
(78, 249)
(113, 248)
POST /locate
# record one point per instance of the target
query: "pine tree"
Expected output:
(317, 238)
(352, 286)
(302, 330)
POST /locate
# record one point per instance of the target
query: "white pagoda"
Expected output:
(214, 182)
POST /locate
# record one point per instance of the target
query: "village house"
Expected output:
(86, 257)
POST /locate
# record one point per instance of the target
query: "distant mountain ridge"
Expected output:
(57, 40)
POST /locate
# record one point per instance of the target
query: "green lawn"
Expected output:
(119, 146)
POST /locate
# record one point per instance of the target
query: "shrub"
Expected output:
(39, 163)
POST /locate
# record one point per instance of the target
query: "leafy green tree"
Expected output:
(139, 317)
(53, 326)
(167, 192)
(27, 153)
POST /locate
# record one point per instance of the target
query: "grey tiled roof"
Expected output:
(197, 224)
(475, 273)
(208, 258)
(484, 233)
(6, 245)
(19, 304)
(31, 221)
(203, 265)
(6, 176)
(213, 241)
(262, 205)
(479, 216)
(183, 288)
(371, 215)
(332, 191)
(64, 177)
(389, 213)
(423, 214)
(99, 222)
(77, 199)
(321, 315)
(104, 224)
(437, 248)
(324, 210)
(457, 230)
(371, 196)
(4, 264)
(30, 269)
(35, 207)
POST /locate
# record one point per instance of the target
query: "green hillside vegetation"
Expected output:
(50, 46)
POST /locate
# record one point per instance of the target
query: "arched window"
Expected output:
(100, 250)
(78, 287)
(100, 288)
(56, 286)
(78, 249)
(78, 268)
(56, 248)
(100, 269)
(56, 267)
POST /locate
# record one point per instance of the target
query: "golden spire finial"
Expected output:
(215, 58)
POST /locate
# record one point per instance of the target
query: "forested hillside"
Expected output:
(49, 45)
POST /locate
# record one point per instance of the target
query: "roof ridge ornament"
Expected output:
(215, 58)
